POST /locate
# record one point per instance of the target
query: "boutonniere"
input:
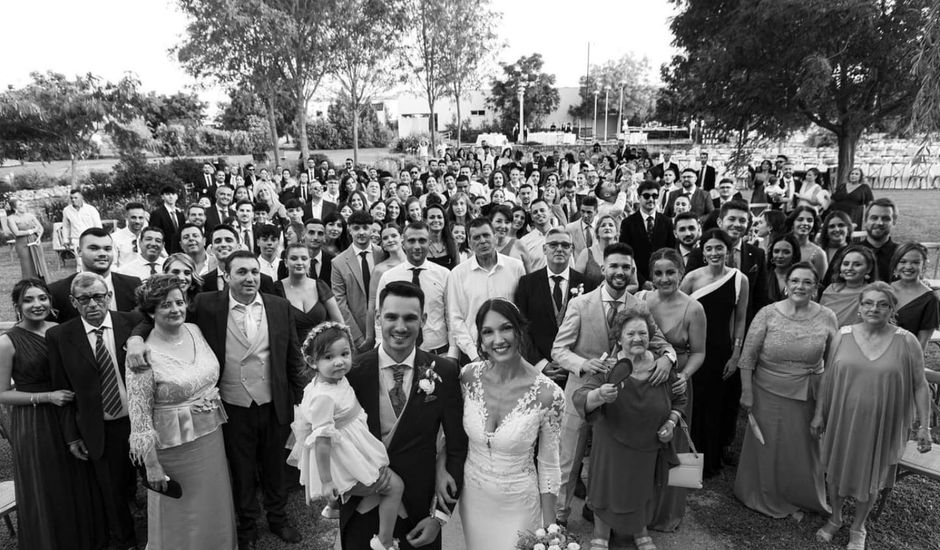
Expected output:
(427, 381)
(576, 290)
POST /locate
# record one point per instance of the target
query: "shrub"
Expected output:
(408, 144)
(37, 180)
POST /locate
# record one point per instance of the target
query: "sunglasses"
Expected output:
(650, 195)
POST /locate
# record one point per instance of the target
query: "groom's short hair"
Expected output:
(402, 289)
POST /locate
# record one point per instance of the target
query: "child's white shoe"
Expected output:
(376, 544)
(329, 511)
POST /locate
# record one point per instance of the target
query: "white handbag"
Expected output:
(688, 474)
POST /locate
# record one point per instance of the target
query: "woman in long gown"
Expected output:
(683, 323)
(312, 299)
(58, 503)
(723, 293)
(634, 422)
(874, 380)
(28, 233)
(509, 408)
(856, 267)
(852, 196)
(782, 476)
(176, 418)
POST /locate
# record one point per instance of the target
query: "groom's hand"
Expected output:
(424, 533)
(379, 486)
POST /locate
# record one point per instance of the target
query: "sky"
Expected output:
(111, 37)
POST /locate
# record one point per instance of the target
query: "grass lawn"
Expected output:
(911, 520)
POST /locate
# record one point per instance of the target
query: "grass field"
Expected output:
(911, 520)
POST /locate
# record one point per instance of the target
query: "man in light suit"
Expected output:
(351, 277)
(583, 337)
(542, 297)
(582, 230)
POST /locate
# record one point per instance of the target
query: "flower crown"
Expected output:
(306, 350)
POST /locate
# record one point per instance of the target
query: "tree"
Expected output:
(769, 68)
(368, 38)
(471, 41)
(541, 96)
(424, 52)
(629, 71)
(243, 102)
(926, 111)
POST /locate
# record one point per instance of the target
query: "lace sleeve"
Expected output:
(552, 403)
(143, 439)
(755, 339)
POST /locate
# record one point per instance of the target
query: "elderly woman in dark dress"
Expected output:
(633, 424)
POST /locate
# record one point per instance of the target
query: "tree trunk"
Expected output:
(848, 140)
(73, 170)
(272, 126)
(459, 120)
(431, 125)
(302, 124)
(355, 136)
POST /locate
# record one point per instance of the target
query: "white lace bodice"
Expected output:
(504, 458)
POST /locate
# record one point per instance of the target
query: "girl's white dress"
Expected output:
(332, 411)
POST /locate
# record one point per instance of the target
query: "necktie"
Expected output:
(649, 228)
(303, 193)
(135, 245)
(397, 393)
(175, 220)
(313, 269)
(613, 308)
(416, 276)
(247, 237)
(248, 324)
(153, 268)
(556, 291)
(365, 271)
(110, 392)
(588, 235)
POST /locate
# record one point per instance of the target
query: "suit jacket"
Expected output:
(753, 265)
(578, 243)
(701, 202)
(633, 232)
(327, 208)
(583, 335)
(412, 451)
(572, 211)
(326, 269)
(706, 181)
(161, 218)
(73, 367)
(351, 292)
(534, 299)
(289, 373)
(210, 283)
(657, 171)
(124, 288)
(213, 219)
(206, 187)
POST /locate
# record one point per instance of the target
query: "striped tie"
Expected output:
(110, 394)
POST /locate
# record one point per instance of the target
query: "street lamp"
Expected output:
(606, 109)
(594, 131)
(521, 114)
(620, 108)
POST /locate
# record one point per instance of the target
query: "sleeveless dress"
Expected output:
(709, 431)
(868, 406)
(921, 313)
(332, 411)
(175, 407)
(58, 503)
(306, 320)
(502, 478)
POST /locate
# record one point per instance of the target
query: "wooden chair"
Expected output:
(62, 253)
(932, 269)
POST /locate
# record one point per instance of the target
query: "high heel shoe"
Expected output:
(827, 531)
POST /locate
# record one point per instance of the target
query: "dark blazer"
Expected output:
(213, 219)
(161, 218)
(210, 283)
(657, 171)
(289, 373)
(754, 266)
(328, 207)
(701, 202)
(124, 287)
(326, 269)
(206, 187)
(73, 367)
(633, 232)
(706, 182)
(412, 450)
(534, 299)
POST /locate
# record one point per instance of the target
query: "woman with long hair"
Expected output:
(520, 221)
(759, 181)
(394, 212)
(854, 268)
(836, 233)
(413, 209)
(441, 249)
(27, 231)
(458, 210)
(266, 196)
(853, 196)
(377, 211)
(783, 253)
(336, 237)
(183, 268)
(390, 242)
(348, 186)
(358, 201)
(804, 223)
(312, 299)
(769, 225)
(590, 260)
(918, 308)
(506, 243)
(813, 192)
(498, 181)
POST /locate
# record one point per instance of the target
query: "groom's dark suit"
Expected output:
(412, 451)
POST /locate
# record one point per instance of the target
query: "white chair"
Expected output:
(8, 504)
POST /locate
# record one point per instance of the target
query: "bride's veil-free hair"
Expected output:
(512, 314)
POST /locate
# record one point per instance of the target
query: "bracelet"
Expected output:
(32, 399)
(737, 342)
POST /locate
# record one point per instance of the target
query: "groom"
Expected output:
(406, 412)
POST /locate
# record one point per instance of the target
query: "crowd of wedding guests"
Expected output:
(656, 299)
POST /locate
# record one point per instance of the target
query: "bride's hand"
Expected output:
(446, 487)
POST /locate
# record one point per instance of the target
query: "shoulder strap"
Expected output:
(685, 429)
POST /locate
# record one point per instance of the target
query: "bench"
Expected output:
(913, 462)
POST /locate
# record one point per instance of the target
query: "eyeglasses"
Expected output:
(98, 298)
(797, 282)
(559, 244)
(650, 195)
(868, 304)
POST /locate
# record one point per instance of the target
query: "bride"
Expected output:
(508, 406)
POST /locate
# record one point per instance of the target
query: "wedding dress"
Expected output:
(502, 478)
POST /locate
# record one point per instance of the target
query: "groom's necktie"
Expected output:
(397, 393)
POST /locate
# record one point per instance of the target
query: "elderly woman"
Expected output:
(779, 384)
(633, 423)
(176, 418)
(856, 267)
(874, 380)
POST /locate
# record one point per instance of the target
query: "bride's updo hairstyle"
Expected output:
(512, 314)
(152, 292)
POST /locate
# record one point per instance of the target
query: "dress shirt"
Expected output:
(247, 316)
(735, 255)
(248, 244)
(607, 299)
(269, 268)
(139, 267)
(468, 286)
(564, 282)
(433, 281)
(124, 252)
(533, 243)
(109, 282)
(224, 214)
(77, 220)
(684, 252)
(316, 209)
(108, 336)
(370, 258)
(327, 196)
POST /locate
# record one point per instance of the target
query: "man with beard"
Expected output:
(149, 261)
(687, 232)
(880, 218)
(700, 200)
(585, 335)
(534, 240)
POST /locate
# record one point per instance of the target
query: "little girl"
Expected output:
(334, 449)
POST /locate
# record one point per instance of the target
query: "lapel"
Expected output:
(367, 382)
(355, 267)
(84, 348)
(122, 332)
(543, 292)
(219, 308)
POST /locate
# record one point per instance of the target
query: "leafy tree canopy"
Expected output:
(541, 96)
(628, 72)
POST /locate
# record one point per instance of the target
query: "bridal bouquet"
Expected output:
(553, 537)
